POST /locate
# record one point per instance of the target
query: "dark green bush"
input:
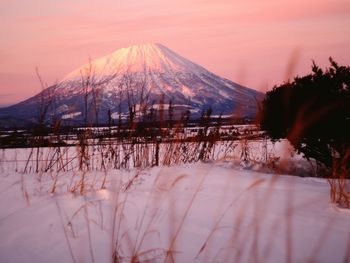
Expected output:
(313, 112)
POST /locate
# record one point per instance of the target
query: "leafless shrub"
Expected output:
(339, 182)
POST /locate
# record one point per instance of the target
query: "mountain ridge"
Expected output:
(146, 72)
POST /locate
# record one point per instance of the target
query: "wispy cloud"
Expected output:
(6, 95)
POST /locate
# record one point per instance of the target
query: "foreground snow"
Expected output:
(191, 213)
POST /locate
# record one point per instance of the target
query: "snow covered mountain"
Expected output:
(136, 79)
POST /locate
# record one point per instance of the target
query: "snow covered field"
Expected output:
(220, 211)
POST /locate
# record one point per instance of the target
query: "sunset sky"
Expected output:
(257, 43)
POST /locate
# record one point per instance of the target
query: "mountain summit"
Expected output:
(139, 58)
(136, 79)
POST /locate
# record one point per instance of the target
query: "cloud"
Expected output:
(6, 95)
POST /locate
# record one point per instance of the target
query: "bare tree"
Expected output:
(46, 101)
(93, 90)
(137, 95)
(170, 114)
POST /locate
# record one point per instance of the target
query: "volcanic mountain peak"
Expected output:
(141, 74)
(138, 58)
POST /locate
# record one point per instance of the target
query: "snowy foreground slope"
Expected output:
(204, 212)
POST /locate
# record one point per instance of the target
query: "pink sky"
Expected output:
(255, 43)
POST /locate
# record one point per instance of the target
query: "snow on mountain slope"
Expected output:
(140, 58)
(145, 74)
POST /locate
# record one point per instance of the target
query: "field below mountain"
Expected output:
(222, 211)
